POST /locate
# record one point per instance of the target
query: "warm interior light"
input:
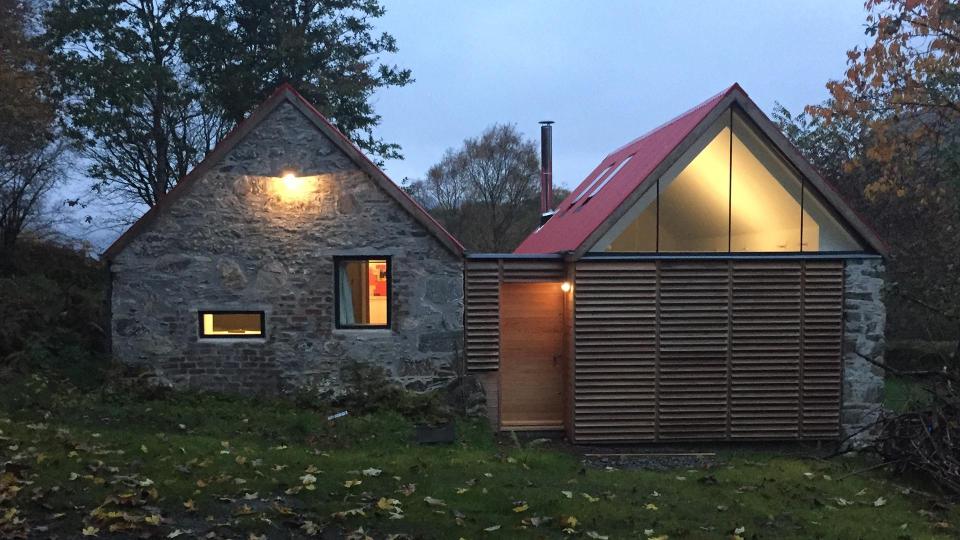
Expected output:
(232, 324)
(565, 286)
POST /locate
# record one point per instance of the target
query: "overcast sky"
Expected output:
(606, 71)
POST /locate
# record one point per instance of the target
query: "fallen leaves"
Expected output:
(433, 502)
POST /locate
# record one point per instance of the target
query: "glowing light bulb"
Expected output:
(294, 188)
(565, 286)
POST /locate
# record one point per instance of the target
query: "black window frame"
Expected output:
(204, 336)
(336, 291)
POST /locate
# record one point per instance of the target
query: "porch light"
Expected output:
(290, 187)
(565, 286)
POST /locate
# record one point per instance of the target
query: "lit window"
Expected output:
(731, 191)
(363, 292)
(231, 324)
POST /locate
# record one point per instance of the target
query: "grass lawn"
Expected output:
(189, 465)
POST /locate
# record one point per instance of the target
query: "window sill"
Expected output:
(252, 341)
(378, 332)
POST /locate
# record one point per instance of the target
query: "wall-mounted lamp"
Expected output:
(565, 286)
(290, 187)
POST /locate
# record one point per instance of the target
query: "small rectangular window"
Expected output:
(232, 324)
(363, 292)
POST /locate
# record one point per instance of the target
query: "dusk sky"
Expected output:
(605, 71)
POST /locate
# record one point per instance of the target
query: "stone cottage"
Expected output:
(281, 259)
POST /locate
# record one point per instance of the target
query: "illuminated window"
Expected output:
(231, 324)
(363, 292)
(766, 199)
(695, 201)
(732, 191)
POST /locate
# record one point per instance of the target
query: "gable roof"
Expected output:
(612, 188)
(285, 93)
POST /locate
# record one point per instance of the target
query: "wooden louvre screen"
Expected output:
(482, 314)
(707, 350)
(482, 279)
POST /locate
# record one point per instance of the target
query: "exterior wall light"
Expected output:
(290, 187)
(565, 286)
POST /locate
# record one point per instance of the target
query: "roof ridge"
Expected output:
(676, 118)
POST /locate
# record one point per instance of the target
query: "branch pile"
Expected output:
(927, 439)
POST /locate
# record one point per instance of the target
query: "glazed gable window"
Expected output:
(232, 324)
(362, 292)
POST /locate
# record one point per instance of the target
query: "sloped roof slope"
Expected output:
(286, 93)
(613, 186)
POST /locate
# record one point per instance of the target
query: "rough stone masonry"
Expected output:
(232, 243)
(864, 320)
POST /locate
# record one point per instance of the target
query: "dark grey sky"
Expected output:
(606, 71)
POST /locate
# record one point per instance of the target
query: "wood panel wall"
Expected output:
(482, 279)
(690, 350)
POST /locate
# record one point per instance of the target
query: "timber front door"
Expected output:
(531, 356)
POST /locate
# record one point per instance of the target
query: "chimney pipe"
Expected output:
(546, 171)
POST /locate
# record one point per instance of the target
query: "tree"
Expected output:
(30, 152)
(486, 192)
(904, 88)
(140, 119)
(889, 137)
(241, 50)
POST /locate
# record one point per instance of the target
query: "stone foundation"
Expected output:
(864, 319)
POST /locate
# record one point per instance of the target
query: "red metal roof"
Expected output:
(574, 222)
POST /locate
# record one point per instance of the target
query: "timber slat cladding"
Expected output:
(532, 270)
(765, 351)
(707, 350)
(482, 281)
(614, 373)
(822, 348)
(482, 315)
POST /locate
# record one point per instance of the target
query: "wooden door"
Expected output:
(531, 356)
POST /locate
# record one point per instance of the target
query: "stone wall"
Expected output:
(234, 241)
(864, 320)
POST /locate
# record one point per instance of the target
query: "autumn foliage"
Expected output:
(890, 138)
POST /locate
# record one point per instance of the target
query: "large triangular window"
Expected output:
(731, 191)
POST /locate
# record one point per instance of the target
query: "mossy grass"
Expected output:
(232, 467)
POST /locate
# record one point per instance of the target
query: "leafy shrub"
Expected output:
(52, 313)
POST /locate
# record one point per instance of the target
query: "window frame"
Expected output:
(204, 336)
(337, 260)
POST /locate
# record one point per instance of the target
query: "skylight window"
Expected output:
(608, 178)
(593, 183)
